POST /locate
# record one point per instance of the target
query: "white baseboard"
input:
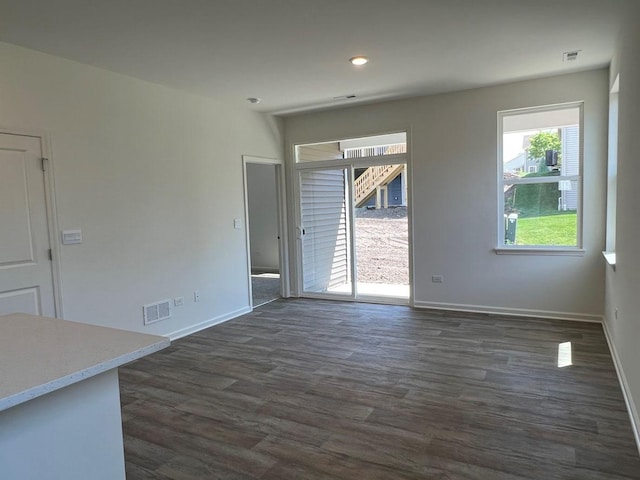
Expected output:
(208, 323)
(517, 312)
(626, 392)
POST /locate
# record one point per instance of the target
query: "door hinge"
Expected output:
(50, 255)
(44, 163)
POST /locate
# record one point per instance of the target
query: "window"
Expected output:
(612, 171)
(540, 184)
(392, 144)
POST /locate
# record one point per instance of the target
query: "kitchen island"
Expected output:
(59, 397)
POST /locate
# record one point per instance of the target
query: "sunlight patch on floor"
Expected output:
(564, 354)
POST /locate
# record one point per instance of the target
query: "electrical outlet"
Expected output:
(178, 301)
(196, 296)
(437, 279)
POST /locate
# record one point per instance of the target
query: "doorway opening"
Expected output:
(264, 229)
(354, 228)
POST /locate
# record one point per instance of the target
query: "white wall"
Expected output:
(453, 145)
(152, 176)
(623, 284)
(263, 216)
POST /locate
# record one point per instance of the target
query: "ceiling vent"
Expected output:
(155, 312)
(570, 56)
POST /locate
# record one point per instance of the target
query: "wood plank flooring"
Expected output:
(309, 389)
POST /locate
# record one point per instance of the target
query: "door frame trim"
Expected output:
(283, 244)
(51, 208)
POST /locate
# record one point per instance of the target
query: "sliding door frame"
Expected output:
(350, 164)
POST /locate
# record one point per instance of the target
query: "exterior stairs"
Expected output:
(373, 179)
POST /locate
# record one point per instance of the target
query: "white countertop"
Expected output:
(39, 355)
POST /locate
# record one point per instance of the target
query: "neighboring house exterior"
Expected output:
(570, 137)
(521, 164)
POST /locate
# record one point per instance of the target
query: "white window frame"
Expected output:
(612, 175)
(501, 247)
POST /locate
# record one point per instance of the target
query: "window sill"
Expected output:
(610, 257)
(571, 252)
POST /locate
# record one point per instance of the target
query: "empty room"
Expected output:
(319, 239)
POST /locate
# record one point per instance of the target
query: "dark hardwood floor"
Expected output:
(308, 389)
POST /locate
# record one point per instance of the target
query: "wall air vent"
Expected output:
(155, 312)
(570, 56)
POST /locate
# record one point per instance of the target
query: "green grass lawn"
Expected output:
(560, 229)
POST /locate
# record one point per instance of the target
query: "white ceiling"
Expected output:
(293, 53)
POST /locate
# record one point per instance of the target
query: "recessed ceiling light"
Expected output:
(359, 60)
(254, 100)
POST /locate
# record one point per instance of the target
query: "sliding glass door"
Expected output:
(353, 228)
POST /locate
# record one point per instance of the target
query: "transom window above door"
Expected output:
(364, 147)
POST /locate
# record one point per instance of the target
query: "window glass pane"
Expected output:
(318, 152)
(541, 142)
(379, 145)
(541, 214)
(326, 242)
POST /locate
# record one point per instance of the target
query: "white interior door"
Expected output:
(26, 277)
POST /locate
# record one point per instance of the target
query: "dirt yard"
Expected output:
(382, 245)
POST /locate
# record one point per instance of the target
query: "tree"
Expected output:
(540, 143)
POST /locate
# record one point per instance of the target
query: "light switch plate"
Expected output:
(71, 237)
(237, 223)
